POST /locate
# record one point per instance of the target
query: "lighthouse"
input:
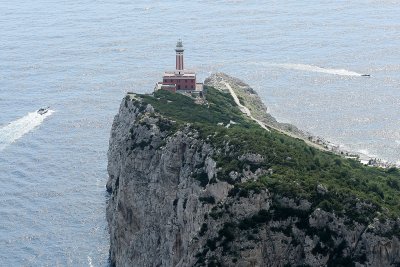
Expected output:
(180, 80)
(179, 57)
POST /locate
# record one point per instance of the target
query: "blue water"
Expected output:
(80, 57)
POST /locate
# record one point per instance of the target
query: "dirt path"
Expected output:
(246, 111)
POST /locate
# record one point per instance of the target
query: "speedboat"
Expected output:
(43, 111)
(365, 75)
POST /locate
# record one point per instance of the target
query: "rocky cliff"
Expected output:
(201, 185)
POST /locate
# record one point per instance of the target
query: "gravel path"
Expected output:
(244, 109)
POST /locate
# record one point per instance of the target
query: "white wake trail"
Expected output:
(16, 129)
(312, 68)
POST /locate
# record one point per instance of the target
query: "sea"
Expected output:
(304, 58)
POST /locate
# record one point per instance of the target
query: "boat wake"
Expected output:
(90, 261)
(311, 68)
(18, 128)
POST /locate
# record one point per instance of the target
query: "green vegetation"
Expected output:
(182, 109)
(296, 168)
(203, 229)
(207, 200)
(202, 178)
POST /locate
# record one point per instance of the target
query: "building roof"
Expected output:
(184, 74)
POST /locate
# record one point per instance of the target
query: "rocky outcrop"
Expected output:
(170, 206)
(249, 98)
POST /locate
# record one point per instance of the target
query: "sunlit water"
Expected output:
(79, 57)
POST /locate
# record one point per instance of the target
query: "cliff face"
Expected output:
(172, 204)
(154, 211)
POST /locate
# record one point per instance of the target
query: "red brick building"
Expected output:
(180, 80)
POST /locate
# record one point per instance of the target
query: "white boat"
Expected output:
(42, 111)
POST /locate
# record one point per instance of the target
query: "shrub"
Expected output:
(228, 232)
(203, 229)
(208, 199)
(202, 177)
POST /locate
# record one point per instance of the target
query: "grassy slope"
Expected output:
(297, 168)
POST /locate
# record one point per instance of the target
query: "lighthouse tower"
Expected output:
(179, 57)
(180, 80)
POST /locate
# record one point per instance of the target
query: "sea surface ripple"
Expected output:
(80, 57)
